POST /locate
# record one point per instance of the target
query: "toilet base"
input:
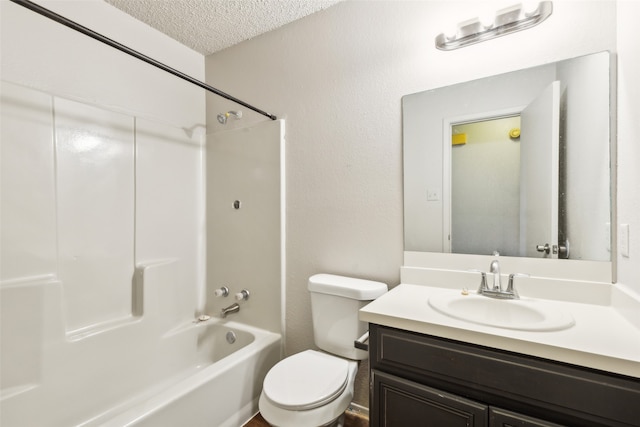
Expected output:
(339, 422)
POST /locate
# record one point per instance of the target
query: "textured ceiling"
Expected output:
(208, 26)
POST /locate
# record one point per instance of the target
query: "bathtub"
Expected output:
(156, 368)
(220, 389)
(194, 374)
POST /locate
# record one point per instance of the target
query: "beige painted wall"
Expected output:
(337, 78)
(244, 244)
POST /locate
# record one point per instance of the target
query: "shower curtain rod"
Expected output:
(86, 31)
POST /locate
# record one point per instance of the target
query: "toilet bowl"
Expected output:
(314, 388)
(310, 388)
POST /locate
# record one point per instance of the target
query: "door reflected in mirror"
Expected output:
(516, 164)
(485, 187)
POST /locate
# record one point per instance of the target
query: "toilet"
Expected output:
(314, 388)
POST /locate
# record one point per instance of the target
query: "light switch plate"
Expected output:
(624, 240)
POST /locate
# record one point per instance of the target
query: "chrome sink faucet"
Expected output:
(496, 291)
(494, 269)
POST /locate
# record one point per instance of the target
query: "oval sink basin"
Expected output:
(522, 314)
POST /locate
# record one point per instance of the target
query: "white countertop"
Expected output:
(602, 337)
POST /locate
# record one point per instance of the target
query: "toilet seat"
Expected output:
(287, 385)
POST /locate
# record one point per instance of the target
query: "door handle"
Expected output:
(543, 248)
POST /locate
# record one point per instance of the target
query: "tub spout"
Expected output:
(233, 308)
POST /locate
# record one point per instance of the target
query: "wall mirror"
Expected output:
(517, 164)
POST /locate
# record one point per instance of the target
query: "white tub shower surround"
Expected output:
(97, 318)
(153, 376)
(103, 233)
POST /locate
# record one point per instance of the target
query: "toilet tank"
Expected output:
(335, 301)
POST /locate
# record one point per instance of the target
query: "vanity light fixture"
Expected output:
(507, 20)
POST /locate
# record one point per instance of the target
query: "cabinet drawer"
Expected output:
(502, 418)
(539, 387)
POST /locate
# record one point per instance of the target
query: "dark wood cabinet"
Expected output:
(420, 380)
(400, 400)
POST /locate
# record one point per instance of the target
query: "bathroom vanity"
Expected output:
(428, 368)
(567, 352)
(444, 382)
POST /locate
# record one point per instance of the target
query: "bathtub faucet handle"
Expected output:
(221, 292)
(243, 295)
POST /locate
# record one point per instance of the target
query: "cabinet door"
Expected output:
(400, 403)
(503, 418)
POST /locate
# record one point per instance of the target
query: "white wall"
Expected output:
(628, 147)
(338, 76)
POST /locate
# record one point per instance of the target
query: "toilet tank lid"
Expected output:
(349, 287)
